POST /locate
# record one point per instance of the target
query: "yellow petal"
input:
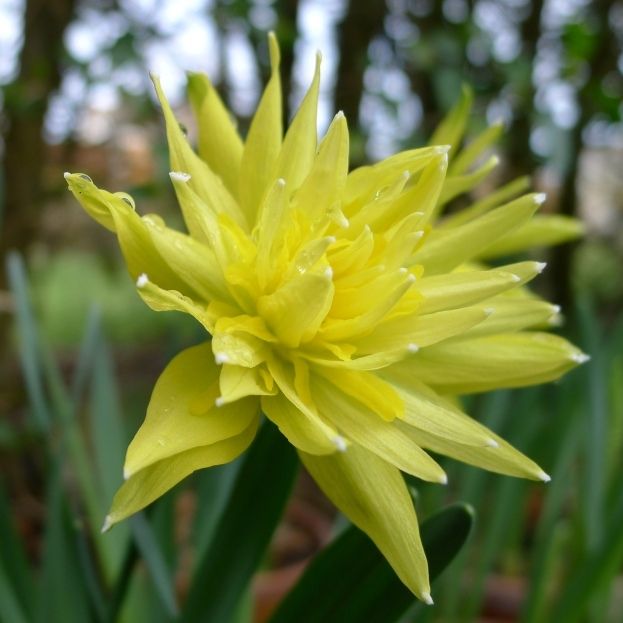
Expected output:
(373, 495)
(296, 310)
(236, 382)
(451, 129)
(299, 145)
(182, 413)
(364, 427)
(540, 231)
(219, 143)
(263, 142)
(150, 483)
(300, 430)
(458, 184)
(467, 156)
(203, 180)
(446, 249)
(483, 363)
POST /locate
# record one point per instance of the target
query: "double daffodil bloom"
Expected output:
(340, 305)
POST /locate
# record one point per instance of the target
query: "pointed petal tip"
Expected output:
(580, 357)
(142, 280)
(442, 149)
(539, 198)
(221, 358)
(540, 266)
(427, 599)
(67, 175)
(413, 348)
(340, 443)
(107, 525)
(491, 443)
(443, 479)
(544, 477)
(220, 401)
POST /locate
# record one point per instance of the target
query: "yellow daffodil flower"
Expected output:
(340, 305)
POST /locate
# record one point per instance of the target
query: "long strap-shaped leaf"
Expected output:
(351, 582)
(250, 517)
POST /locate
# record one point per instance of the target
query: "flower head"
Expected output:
(339, 304)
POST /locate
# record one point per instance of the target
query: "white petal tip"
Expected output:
(443, 479)
(539, 198)
(126, 473)
(142, 280)
(281, 182)
(340, 115)
(340, 443)
(403, 271)
(443, 149)
(516, 278)
(540, 266)
(411, 279)
(179, 176)
(580, 357)
(544, 477)
(488, 311)
(67, 175)
(555, 309)
(221, 358)
(220, 401)
(343, 222)
(491, 443)
(107, 524)
(328, 272)
(331, 239)
(427, 599)
(413, 348)
(418, 234)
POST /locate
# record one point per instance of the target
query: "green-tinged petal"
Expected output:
(366, 428)
(428, 412)
(488, 202)
(458, 184)
(299, 145)
(464, 366)
(541, 231)
(182, 413)
(160, 299)
(469, 154)
(117, 213)
(293, 381)
(300, 430)
(444, 250)
(373, 495)
(462, 288)
(500, 457)
(263, 143)
(219, 143)
(207, 184)
(296, 310)
(508, 314)
(451, 129)
(413, 332)
(323, 187)
(150, 483)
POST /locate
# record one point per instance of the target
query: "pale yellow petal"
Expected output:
(373, 495)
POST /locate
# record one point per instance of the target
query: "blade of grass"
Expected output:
(154, 560)
(351, 582)
(28, 343)
(243, 533)
(10, 607)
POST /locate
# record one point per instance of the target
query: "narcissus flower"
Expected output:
(341, 305)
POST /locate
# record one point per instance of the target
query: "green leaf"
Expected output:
(351, 582)
(254, 508)
(28, 343)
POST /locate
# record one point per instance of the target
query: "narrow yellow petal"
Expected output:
(219, 143)
(373, 495)
(480, 364)
(207, 184)
(451, 129)
(364, 427)
(263, 143)
(541, 231)
(444, 250)
(299, 145)
(467, 156)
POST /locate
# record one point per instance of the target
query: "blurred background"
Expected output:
(79, 352)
